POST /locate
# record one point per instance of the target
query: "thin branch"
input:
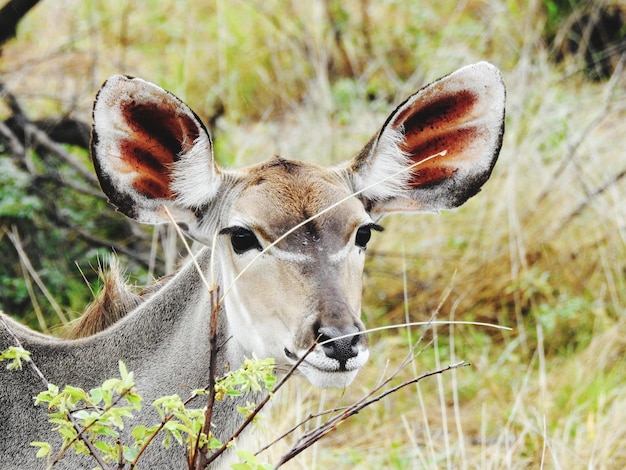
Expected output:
(31, 130)
(366, 400)
(296, 426)
(42, 138)
(117, 248)
(80, 432)
(18, 343)
(332, 424)
(33, 298)
(590, 197)
(162, 424)
(200, 460)
(260, 406)
(17, 148)
(10, 16)
(62, 182)
(38, 373)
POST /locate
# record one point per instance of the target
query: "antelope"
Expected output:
(286, 239)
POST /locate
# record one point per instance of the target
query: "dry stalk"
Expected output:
(588, 200)
(15, 240)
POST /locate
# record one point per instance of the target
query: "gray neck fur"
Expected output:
(165, 342)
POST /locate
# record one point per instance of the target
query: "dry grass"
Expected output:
(542, 249)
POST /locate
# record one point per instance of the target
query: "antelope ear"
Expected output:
(151, 151)
(462, 115)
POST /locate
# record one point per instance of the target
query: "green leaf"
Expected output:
(15, 355)
(75, 393)
(110, 384)
(133, 399)
(47, 395)
(139, 432)
(95, 395)
(130, 453)
(104, 446)
(123, 370)
(44, 448)
(249, 461)
(86, 416)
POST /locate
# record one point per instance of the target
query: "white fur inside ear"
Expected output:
(195, 179)
(387, 173)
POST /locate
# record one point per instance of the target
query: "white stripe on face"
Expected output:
(290, 256)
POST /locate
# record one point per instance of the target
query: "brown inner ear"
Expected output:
(156, 138)
(440, 125)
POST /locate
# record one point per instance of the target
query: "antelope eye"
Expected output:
(364, 233)
(243, 240)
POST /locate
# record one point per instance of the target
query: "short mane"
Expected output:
(114, 301)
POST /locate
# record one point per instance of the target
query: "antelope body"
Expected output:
(284, 289)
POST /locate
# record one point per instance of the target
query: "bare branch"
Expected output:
(590, 197)
(10, 16)
(42, 138)
(311, 437)
(200, 460)
(260, 406)
(31, 130)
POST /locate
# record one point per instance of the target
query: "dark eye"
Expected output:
(364, 233)
(243, 240)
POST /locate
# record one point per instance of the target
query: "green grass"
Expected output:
(541, 250)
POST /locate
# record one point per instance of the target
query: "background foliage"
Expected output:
(542, 248)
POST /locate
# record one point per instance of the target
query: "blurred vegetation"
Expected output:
(542, 249)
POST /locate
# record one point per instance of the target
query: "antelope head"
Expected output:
(290, 237)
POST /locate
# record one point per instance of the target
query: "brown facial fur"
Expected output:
(298, 191)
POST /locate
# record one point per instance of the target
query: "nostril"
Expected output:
(341, 343)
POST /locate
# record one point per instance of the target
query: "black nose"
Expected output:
(342, 348)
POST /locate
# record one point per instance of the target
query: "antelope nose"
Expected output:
(342, 348)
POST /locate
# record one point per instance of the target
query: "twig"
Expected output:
(18, 343)
(16, 146)
(42, 138)
(316, 434)
(296, 426)
(331, 424)
(92, 450)
(200, 460)
(80, 432)
(10, 15)
(67, 182)
(162, 424)
(590, 197)
(260, 406)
